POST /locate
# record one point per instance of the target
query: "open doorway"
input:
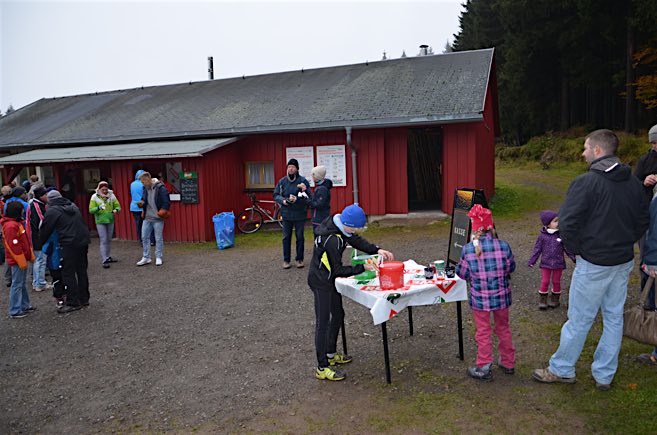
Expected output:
(425, 150)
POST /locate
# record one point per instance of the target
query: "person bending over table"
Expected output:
(333, 235)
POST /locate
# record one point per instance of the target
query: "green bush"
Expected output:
(567, 147)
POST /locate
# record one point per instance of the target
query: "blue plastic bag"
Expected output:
(224, 229)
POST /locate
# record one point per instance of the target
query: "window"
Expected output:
(259, 175)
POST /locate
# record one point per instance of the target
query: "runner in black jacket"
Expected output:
(332, 238)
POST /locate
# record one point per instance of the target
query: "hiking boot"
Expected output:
(483, 373)
(602, 387)
(286, 265)
(299, 264)
(547, 377)
(506, 370)
(340, 358)
(329, 374)
(542, 301)
(143, 261)
(553, 302)
(68, 309)
(647, 358)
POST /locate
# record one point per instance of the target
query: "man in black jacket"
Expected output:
(332, 238)
(604, 214)
(64, 217)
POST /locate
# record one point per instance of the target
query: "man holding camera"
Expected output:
(294, 210)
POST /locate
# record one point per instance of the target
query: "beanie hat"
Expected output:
(319, 172)
(14, 210)
(39, 192)
(353, 216)
(293, 162)
(547, 216)
(18, 191)
(652, 134)
(54, 194)
(481, 218)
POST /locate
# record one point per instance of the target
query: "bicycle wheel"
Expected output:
(279, 217)
(249, 221)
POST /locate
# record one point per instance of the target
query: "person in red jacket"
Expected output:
(18, 252)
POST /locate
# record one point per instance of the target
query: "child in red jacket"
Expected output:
(18, 252)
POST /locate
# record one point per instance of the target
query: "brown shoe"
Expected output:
(553, 302)
(542, 301)
(286, 265)
(299, 264)
(547, 377)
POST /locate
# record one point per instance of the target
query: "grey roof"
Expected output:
(414, 90)
(132, 151)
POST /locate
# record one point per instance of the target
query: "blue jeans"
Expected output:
(138, 222)
(39, 270)
(158, 228)
(593, 288)
(287, 239)
(19, 298)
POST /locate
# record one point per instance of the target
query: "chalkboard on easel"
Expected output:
(189, 191)
(464, 200)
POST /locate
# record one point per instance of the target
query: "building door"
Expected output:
(425, 150)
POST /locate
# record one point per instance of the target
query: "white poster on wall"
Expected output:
(334, 159)
(306, 158)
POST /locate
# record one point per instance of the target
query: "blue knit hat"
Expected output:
(353, 216)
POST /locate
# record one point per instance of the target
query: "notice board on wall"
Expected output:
(189, 190)
(334, 159)
(306, 158)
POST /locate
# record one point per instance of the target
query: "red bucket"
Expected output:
(391, 275)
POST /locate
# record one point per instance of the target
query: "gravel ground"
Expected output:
(223, 341)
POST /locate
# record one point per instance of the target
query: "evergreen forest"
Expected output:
(567, 63)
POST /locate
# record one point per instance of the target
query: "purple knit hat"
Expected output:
(548, 216)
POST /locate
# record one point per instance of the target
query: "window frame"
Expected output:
(262, 163)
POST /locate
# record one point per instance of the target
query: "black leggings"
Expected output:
(328, 321)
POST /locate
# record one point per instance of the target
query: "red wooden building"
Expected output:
(416, 128)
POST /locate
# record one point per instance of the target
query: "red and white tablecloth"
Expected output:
(417, 290)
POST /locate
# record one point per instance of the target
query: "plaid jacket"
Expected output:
(488, 274)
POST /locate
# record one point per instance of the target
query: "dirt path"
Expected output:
(223, 341)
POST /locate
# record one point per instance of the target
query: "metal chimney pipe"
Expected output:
(210, 68)
(424, 50)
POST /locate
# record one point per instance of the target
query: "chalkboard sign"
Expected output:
(189, 191)
(464, 200)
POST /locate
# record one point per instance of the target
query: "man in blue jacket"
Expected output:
(294, 210)
(136, 192)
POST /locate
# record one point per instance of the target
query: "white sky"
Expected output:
(53, 48)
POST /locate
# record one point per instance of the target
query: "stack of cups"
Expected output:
(440, 267)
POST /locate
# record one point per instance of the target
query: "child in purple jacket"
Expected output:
(549, 247)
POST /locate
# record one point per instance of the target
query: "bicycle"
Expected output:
(252, 218)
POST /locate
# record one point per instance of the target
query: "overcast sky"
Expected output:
(53, 48)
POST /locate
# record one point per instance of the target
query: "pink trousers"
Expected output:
(556, 280)
(483, 336)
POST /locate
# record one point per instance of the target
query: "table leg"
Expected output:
(459, 325)
(344, 338)
(386, 356)
(410, 319)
